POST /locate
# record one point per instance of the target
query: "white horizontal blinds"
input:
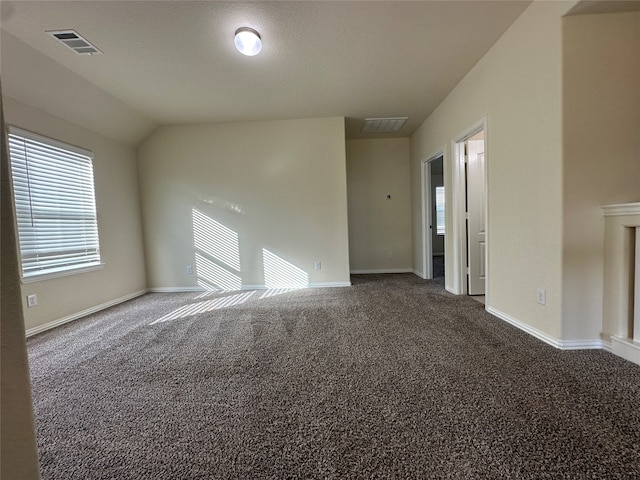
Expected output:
(440, 211)
(55, 204)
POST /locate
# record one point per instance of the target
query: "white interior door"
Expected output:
(636, 294)
(476, 214)
(427, 219)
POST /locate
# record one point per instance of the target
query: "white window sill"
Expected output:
(62, 273)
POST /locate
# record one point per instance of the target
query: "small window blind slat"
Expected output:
(55, 204)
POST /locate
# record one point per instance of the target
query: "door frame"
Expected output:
(427, 212)
(459, 256)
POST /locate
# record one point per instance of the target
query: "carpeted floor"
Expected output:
(390, 378)
(438, 266)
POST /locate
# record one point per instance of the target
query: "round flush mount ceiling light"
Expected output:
(247, 41)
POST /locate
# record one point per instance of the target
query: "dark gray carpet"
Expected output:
(438, 266)
(390, 378)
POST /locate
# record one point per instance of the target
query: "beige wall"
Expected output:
(601, 122)
(215, 196)
(517, 85)
(379, 226)
(119, 223)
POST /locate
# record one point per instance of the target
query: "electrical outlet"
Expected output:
(390, 254)
(189, 269)
(32, 300)
(317, 265)
(541, 296)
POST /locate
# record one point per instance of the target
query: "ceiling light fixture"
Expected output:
(247, 41)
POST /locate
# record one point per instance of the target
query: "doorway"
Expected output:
(470, 212)
(433, 216)
(437, 218)
(476, 214)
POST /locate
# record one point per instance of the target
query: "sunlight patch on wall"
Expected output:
(216, 240)
(208, 306)
(221, 203)
(217, 254)
(212, 276)
(280, 274)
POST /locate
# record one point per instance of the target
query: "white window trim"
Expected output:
(61, 273)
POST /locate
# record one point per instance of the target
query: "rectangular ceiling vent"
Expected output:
(383, 125)
(75, 42)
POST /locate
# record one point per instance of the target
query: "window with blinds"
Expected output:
(55, 205)
(440, 211)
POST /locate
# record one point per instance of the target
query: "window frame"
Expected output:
(89, 223)
(440, 229)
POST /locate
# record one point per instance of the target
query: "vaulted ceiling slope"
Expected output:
(174, 62)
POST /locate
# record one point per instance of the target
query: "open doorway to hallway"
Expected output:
(470, 212)
(437, 229)
(433, 216)
(476, 215)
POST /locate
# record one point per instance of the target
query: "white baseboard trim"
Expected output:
(539, 334)
(253, 287)
(382, 270)
(329, 284)
(176, 289)
(586, 344)
(626, 348)
(419, 274)
(197, 289)
(49, 325)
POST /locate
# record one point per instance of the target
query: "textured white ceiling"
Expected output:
(174, 61)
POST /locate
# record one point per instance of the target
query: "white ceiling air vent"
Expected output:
(75, 42)
(383, 125)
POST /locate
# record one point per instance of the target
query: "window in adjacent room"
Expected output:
(55, 206)
(440, 210)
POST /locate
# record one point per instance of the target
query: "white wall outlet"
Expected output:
(390, 254)
(541, 296)
(189, 269)
(317, 265)
(32, 300)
